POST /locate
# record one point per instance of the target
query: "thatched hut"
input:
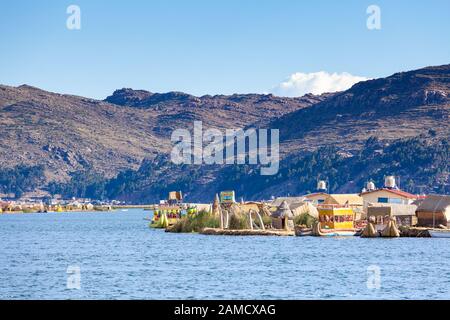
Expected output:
(283, 218)
(433, 211)
(216, 206)
(304, 207)
(290, 201)
(298, 206)
(404, 214)
(350, 200)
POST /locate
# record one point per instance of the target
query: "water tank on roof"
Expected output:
(389, 182)
(370, 186)
(321, 185)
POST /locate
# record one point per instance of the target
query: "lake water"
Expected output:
(119, 257)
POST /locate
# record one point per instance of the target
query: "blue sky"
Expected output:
(210, 47)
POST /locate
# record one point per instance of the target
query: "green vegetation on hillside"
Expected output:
(421, 162)
(21, 179)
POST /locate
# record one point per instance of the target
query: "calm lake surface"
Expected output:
(121, 258)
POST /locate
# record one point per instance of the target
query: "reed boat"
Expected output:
(319, 232)
(333, 222)
(167, 215)
(303, 232)
(169, 212)
(338, 233)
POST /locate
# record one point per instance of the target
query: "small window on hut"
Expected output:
(382, 200)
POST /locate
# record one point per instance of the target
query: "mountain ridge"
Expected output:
(384, 108)
(70, 136)
(68, 133)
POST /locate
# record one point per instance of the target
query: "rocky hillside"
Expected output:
(402, 105)
(179, 110)
(67, 134)
(421, 162)
(395, 125)
(77, 146)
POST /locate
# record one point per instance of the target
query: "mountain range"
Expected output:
(119, 147)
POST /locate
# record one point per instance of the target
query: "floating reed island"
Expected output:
(18, 207)
(245, 232)
(319, 214)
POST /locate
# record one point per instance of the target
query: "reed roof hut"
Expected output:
(289, 200)
(283, 217)
(403, 214)
(434, 210)
(216, 206)
(351, 200)
(298, 206)
(304, 207)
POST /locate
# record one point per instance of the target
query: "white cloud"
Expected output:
(299, 84)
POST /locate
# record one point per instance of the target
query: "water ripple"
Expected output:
(120, 258)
